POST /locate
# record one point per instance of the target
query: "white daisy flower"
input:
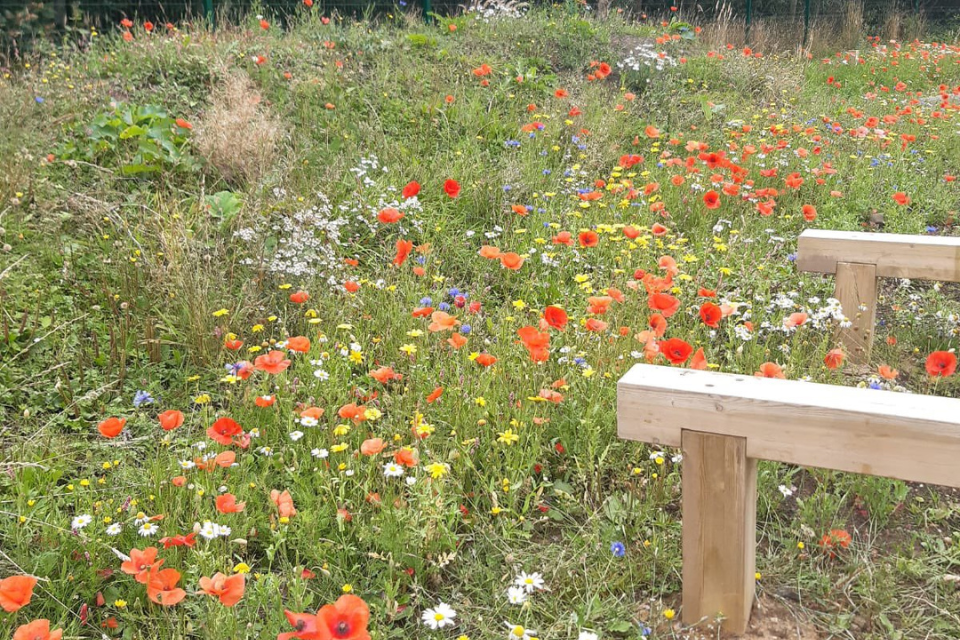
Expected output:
(518, 632)
(530, 582)
(115, 529)
(393, 470)
(439, 617)
(80, 522)
(516, 595)
(320, 453)
(148, 529)
(296, 435)
(588, 635)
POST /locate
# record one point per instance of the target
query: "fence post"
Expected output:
(806, 21)
(746, 31)
(427, 10)
(208, 12)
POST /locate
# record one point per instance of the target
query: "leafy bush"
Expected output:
(135, 140)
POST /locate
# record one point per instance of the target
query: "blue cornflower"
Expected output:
(792, 257)
(39, 100)
(931, 229)
(142, 397)
(443, 306)
(875, 385)
(453, 292)
(546, 172)
(465, 329)
(617, 549)
(426, 302)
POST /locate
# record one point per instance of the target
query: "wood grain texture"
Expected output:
(856, 289)
(719, 529)
(883, 433)
(895, 255)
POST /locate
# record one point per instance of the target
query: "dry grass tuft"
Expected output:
(238, 135)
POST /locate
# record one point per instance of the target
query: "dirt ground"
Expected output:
(771, 620)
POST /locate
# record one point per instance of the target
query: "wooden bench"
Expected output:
(858, 259)
(725, 423)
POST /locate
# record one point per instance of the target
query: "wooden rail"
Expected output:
(725, 423)
(858, 259)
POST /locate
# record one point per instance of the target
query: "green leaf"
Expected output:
(132, 131)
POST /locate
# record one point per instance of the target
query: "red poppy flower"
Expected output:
(901, 198)
(162, 587)
(411, 189)
(555, 317)
(451, 188)
(834, 358)
(536, 343)
(299, 297)
(223, 430)
(485, 360)
(351, 286)
(389, 216)
(404, 247)
(809, 212)
(227, 503)
(300, 344)
(588, 238)
(141, 563)
(383, 375)
(189, 541)
(111, 427)
(664, 303)
(711, 199)
(284, 502)
(273, 362)
(372, 446)
(770, 370)
(698, 361)
(595, 325)
(710, 314)
(435, 395)
(675, 350)
(15, 592)
(37, 630)
(511, 261)
(232, 345)
(170, 420)
(228, 590)
(941, 364)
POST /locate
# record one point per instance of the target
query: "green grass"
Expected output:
(114, 284)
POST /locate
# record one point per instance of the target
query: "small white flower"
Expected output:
(393, 470)
(410, 480)
(296, 435)
(321, 375)
(786, 491)
(529, 582)
(516, 595)
(307, 421)
(518, 632)
(588, 635)
(80, 522)
(320, 453)
(115, 529)
(209, 530)
(148, 529)
(267, 451)
(439, 617)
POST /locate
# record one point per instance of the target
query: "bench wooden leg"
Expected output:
(719, 529)
(856, 288)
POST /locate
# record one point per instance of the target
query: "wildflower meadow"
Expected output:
(310, 326)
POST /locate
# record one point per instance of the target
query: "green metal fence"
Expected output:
(22, 21)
